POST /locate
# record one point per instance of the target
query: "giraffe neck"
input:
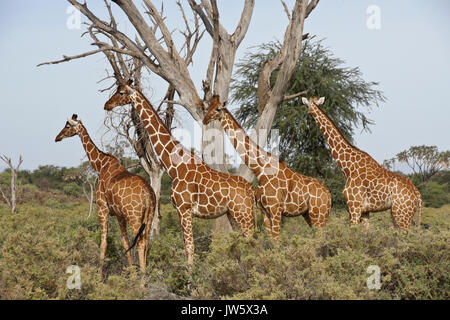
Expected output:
(170, 151)
(99, 160)
(342, 150)
(253, 156)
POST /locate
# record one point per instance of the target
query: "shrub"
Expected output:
(38, 244)
(434, 195)
(72, 189)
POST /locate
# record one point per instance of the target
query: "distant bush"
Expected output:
(335, 183)
(434, 195)
(72, 189)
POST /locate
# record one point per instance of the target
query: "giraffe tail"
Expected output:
(141, 229)
(255, 210)
(419, 209)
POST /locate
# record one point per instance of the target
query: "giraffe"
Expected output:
(197, 190)
(281, 191)
(119, 193)
(369, 187)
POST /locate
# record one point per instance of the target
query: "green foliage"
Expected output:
(331, 263)
(38, 244)
(443, 178)
(302, 144)
(335, 181)
(72, 189)
(166, 186)
(434, 195)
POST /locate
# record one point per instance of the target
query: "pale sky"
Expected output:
(409, 56)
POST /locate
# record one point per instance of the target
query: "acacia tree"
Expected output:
(316, 73)
(154, 49)
(86, 176)
(425, 161)
(12, 200)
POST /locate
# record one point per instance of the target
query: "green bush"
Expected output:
(328, 264)
(38, 244)
(434, 195)
(72, 189)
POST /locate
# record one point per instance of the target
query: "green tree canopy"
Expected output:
(302, 145)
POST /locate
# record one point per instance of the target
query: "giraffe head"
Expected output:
(215, 110)
(71, 128)
(313, 100)
(121, 97)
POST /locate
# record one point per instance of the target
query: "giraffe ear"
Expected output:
(320, 101)
(305, 101)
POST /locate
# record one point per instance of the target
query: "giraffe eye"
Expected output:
(121, 93)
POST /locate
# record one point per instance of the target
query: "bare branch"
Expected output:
(310, 7)
(286, 9)
(296, 95)
(68, 58)
(199, 10)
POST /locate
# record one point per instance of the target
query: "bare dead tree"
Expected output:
(85, 176)
(155, 50)
(12, 200)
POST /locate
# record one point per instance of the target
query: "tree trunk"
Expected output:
(214, 155)
(12, 201)
(13, 189)
(155, 183)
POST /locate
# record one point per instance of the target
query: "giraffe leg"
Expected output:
(319, 211)
(186, 227)
(103, 216)
(275, 213)
(402, 215)
(146, 237)
(354, 203)
(141, 246)
(243, 221)
(233, 222)
(355, 215)
(365, 220)
(125, 241)
(308, 219)
(267, 221)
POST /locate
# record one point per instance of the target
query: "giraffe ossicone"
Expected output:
(197, 190)
(119, 193)
(369, 186)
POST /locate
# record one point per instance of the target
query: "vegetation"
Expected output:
(38, 244)
(317, 73)
(425, 161)
(53, 230)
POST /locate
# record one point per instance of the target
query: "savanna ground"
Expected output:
(50, 233)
